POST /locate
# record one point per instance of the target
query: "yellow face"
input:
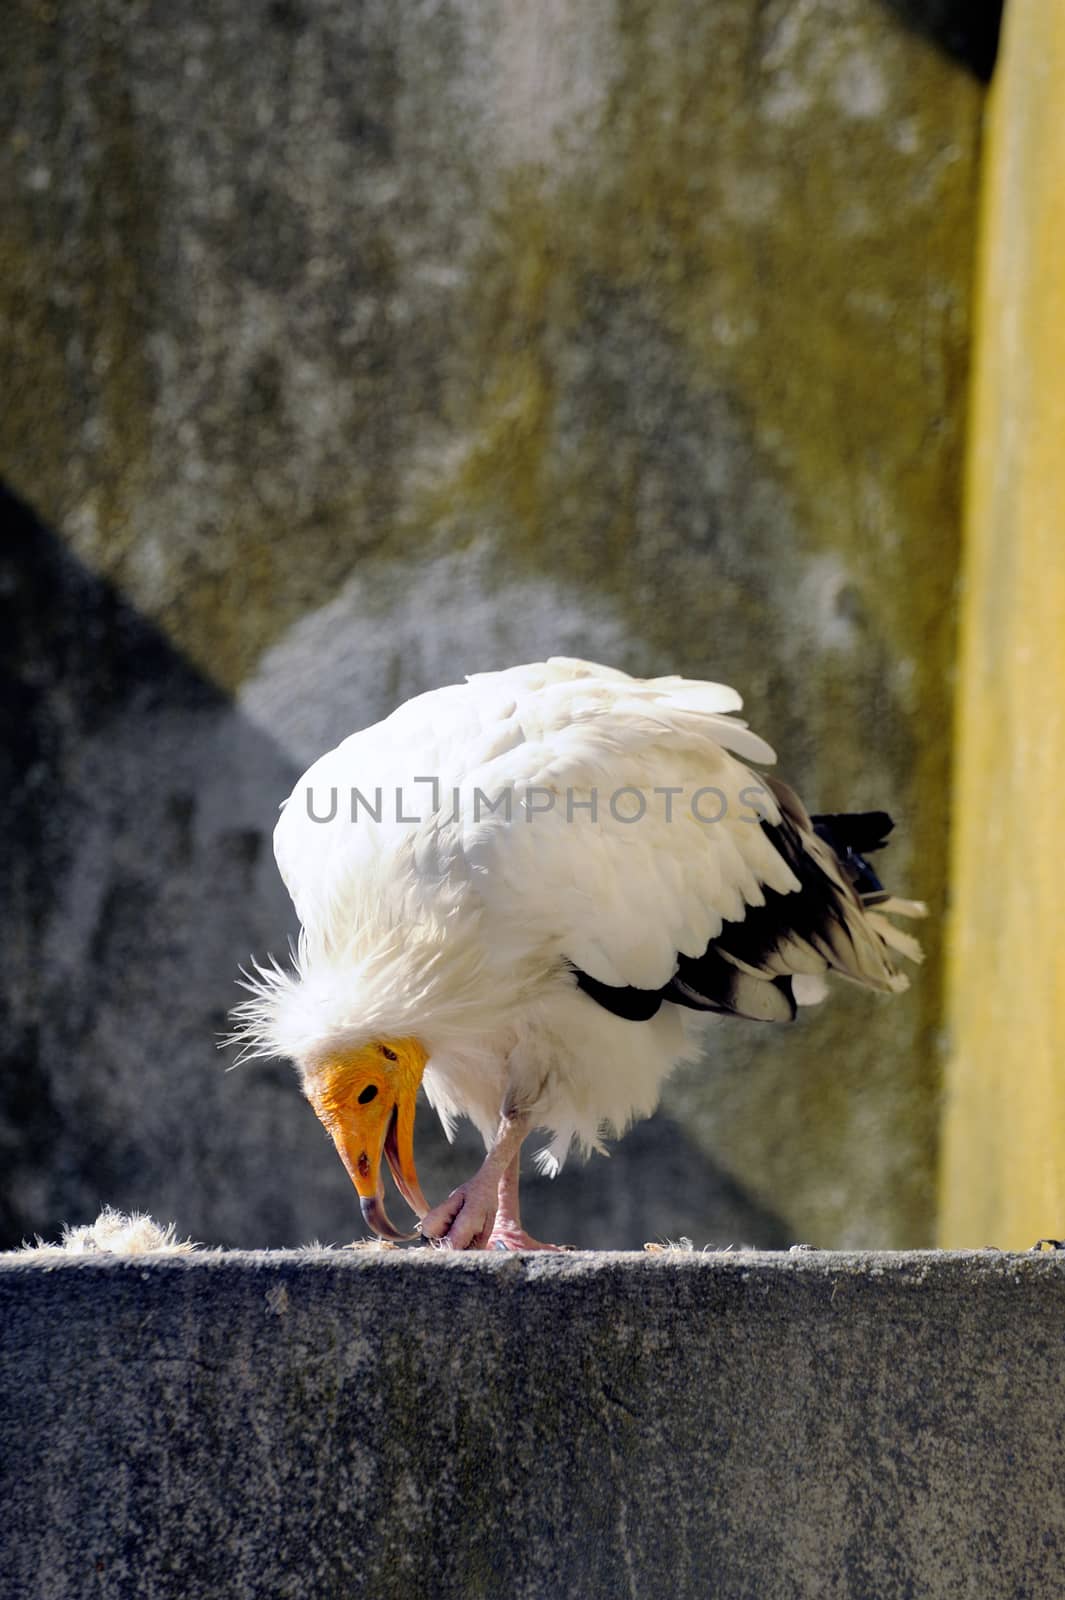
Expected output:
(366, 1101)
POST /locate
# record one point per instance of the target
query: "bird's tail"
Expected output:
(849, 835)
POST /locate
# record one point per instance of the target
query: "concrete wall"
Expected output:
(739, 1427)
(358, 346)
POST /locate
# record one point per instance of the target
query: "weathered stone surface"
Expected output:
(361, 345)
(746, 1427)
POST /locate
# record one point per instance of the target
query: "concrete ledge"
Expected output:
(527, 1428)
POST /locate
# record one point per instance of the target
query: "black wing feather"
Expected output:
(850, 835)
(738, 974)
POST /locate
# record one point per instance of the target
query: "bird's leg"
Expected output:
(507, 1232)
(464, 1220)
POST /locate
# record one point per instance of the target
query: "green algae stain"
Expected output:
(75, 301)
(514, 433)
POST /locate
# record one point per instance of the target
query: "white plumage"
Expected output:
(628, 837)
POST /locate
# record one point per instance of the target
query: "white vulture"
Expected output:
(525, 892)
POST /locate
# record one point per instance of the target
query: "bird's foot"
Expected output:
(508, 1236)
(464, 1220)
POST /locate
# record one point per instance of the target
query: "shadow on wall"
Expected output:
(966, 30)
(139, 876)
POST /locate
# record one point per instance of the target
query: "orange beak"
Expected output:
(363, 1132)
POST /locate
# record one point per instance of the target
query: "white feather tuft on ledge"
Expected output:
(115, 1233)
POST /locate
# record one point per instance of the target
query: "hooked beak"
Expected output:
(361, 1138)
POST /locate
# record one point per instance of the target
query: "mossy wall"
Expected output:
(359, 346)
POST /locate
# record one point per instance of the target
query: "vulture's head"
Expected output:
(365, 1098)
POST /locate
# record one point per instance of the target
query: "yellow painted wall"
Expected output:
(1003, 1173)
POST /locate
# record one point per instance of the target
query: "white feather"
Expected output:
(461, 926)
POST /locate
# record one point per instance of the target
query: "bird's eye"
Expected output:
(389, 1055)
(368, 1094)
